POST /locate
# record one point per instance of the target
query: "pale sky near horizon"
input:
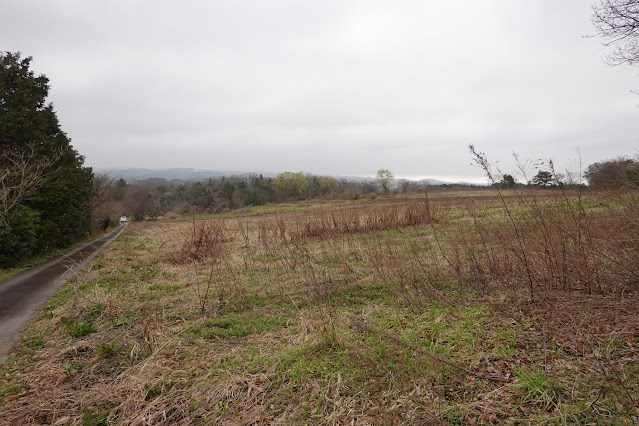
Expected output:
(329, 87)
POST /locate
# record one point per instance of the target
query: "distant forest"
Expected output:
(158, 197)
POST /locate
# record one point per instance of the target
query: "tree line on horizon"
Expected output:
(153, 199)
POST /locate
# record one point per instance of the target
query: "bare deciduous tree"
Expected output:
(102, 201)
(617, 21)
(616, 173)
(22, 173)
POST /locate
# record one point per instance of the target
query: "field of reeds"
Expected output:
(492, 306)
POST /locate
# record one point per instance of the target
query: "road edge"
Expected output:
(9, 345)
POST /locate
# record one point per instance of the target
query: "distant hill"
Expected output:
(433, 182)
(180, 174)
(189, 174)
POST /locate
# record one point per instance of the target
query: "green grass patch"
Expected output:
(94, 311)
(108, 283)
(125, 321)
(538, 387)
(507, 351)
(251, 361)
(77, 330)
(73, 367)
(9, 388)
(315, 361)
(97, 416)
(246, 303)
(108, 350)
(169, 288)
(453, 415)
(234, 325)
(271, 208)
(34, 342)
(145, 272)
(360, 294)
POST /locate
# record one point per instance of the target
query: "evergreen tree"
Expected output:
(59, 210)
(543, 179)
(507, 181)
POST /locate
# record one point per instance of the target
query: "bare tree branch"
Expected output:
(105, 189)
(617, 21)
(21, 174)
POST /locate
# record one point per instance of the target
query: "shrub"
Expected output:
(18, 235)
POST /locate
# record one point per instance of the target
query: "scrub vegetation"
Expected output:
(495, 306)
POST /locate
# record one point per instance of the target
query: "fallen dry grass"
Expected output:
(453, 308)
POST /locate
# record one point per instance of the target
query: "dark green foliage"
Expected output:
(63, 203)
(543, 179)
(108, 350)
(58, 213)
(507, 181)
(263, 191)
(104, 223)
(88, 419)
(198, 190)
(18, 235)
(228, 189)
(22, 109)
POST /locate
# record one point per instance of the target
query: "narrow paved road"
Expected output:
(22, 294)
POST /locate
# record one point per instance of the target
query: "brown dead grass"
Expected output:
(353, 284)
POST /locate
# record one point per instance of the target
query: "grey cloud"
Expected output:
(341, 87)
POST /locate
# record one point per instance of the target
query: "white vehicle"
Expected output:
(122, 219)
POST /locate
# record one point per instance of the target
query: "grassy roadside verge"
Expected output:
(37, 260)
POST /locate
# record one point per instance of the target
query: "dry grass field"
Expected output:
(450, 308)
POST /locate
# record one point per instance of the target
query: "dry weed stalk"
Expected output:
(335, 222)
(206, 241)
(481, 160)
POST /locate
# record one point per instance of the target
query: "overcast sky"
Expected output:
(328, 86)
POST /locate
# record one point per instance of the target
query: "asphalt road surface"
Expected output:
(22, 294)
